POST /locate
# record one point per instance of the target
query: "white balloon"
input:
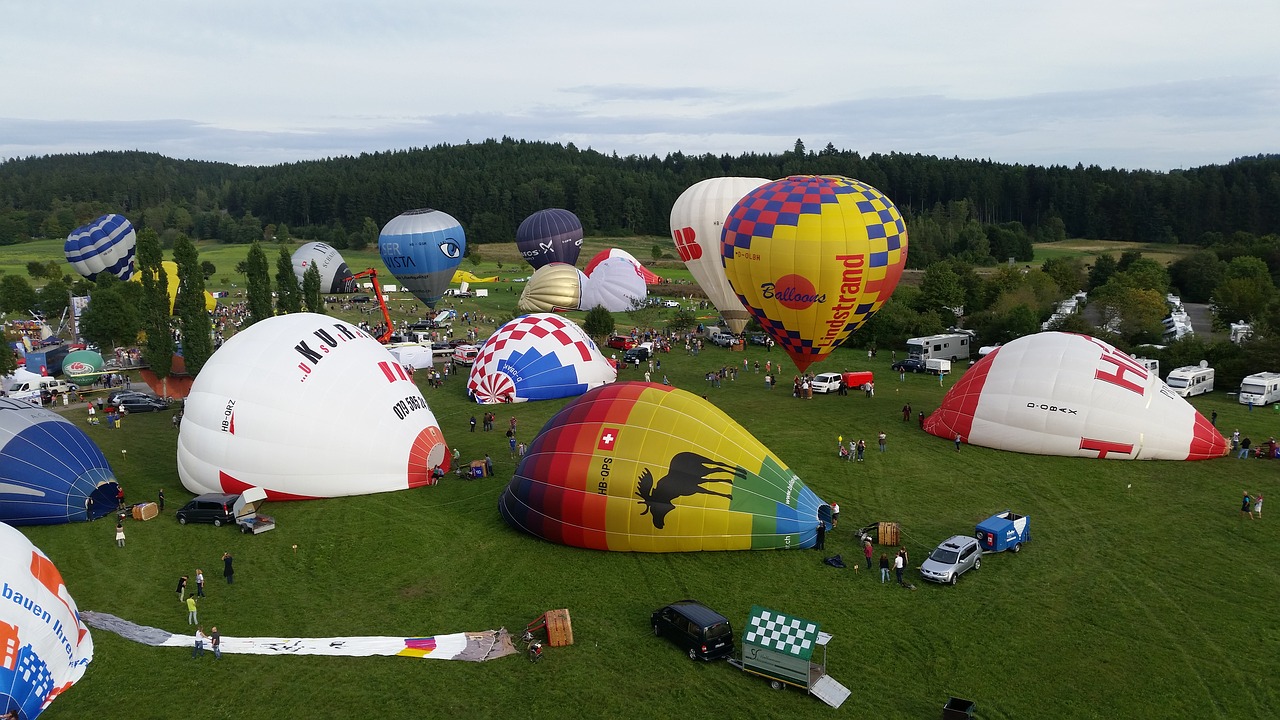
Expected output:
(616, 283)
(697, 218)
(334, 273)
(306, 406)
(537, 357)
(44, 648)
(1058, 393)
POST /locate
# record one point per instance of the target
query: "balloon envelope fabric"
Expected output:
(537, 357)
(107, 244)
(643, 467)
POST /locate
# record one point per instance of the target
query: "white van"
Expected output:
(465, 355)
(29, 389)
(1260, 389)
(1191, 380)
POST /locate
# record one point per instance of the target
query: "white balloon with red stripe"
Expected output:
(306, 406)
(537, 357)
(1058, 393)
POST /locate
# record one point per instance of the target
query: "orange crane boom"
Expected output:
(377, 292)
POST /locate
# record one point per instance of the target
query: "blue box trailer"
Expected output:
(1003, 531)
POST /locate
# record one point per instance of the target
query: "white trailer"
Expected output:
(1191, 380)
(1260, 389)
(948, 346)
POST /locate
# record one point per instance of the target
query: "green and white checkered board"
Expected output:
(775, 631)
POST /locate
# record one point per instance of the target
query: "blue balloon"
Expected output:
(551, 235)
(50, 471)
(107, 245)
(422, 248)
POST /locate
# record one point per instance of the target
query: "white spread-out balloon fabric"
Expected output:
(44, 648)
(697, 219)
(616, 283)
(537, 357)
(306, 406)
(1058, 393)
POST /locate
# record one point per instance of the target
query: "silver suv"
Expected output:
(955, 556)
(723, 339)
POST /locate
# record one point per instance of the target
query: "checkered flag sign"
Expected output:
(782, 633)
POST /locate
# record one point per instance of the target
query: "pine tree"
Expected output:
(311, 290)
(158, 350)
(193, 318)
(288, 294)
(258, 276)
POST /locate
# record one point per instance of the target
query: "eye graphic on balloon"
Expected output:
(450, 249)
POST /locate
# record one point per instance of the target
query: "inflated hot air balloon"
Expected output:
(650, 277)
(335, 276)
(44, 647)
(171, 278)
(537, 357)
(306, 406)
(80, 364)
(1058, 393)
(697, 219)
(554, 286)
(104, 245)
(648, 468)
(551, 235)
(617, 284)
(50, 471)
(422, 248)
(812, 258)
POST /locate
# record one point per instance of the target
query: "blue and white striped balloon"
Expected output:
(104, 245)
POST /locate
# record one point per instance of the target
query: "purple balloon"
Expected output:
(551, 235)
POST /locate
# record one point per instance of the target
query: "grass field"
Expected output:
(1151, 601)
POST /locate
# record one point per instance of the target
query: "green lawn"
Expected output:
(1152, 601)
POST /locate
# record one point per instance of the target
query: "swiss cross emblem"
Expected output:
(608, 437)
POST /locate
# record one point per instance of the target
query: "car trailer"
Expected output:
(780, 647)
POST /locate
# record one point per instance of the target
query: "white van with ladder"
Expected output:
(1260, 389)
(1191, 380)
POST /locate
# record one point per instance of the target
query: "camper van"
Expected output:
(29, 390)
(949, 346)
(1191, 380)
(1260, 389)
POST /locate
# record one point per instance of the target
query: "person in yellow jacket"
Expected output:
(191, 610)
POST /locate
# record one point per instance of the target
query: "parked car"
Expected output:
(216, 508)
(956, 555)
(723, 339)
(670, 304)
(758, 339)
(915, 365)
(827, 382)
(635, 356)
(621, 342)
(141, 403)
(360, 299)
(702, 632)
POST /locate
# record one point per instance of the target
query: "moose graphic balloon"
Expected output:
(648, 468)
(1058, 393)
(813, 258)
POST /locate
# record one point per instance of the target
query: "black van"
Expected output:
(216, 508)
(703, 632)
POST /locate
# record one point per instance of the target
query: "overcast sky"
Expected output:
(1157, 85)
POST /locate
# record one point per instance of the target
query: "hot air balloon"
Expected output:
(697, 219)
(537, 357)
(616, 283)
(335, 276)
(648, 468)
(171, 279)
(1057, 393)
(306, 406)
(44, 647)
(554, 286)
(50, 471)
(422, 248)
(551, 235)
(650, 277)
(79, 364)
(104, 245)
(812, 258)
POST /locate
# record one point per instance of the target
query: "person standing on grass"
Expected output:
(119, 534)
(182, 588)
(191, 610)
(199, 582)
(198, 650)
(160, 499)
(821, 544)
(958, 440)
(215, 642)
(884, 568)
(1245, 505)
(868, 552)
(228, 571)
(1244, 449)
(1257, 506)
(898, 564)
(883, 442)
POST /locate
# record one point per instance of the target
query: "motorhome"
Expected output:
(1260, 389)
(949, 346)
(1191, 380)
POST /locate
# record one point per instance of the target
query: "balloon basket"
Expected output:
(556, 623)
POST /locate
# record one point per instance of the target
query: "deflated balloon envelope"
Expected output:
(537, 357)
(551, 235)
(649, 276)
(335, 276)
(422, 248)
(616, 284)
(554, 286)
(106, 245)
(306, 406)
(50, 471)
(648, 468)
(813, 258)
(1058, 393)
(697, 221)
(44, 648)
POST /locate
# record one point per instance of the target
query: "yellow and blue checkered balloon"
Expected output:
(812, 258)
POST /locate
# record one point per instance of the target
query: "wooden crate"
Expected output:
(559, 629)
(145, 511)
